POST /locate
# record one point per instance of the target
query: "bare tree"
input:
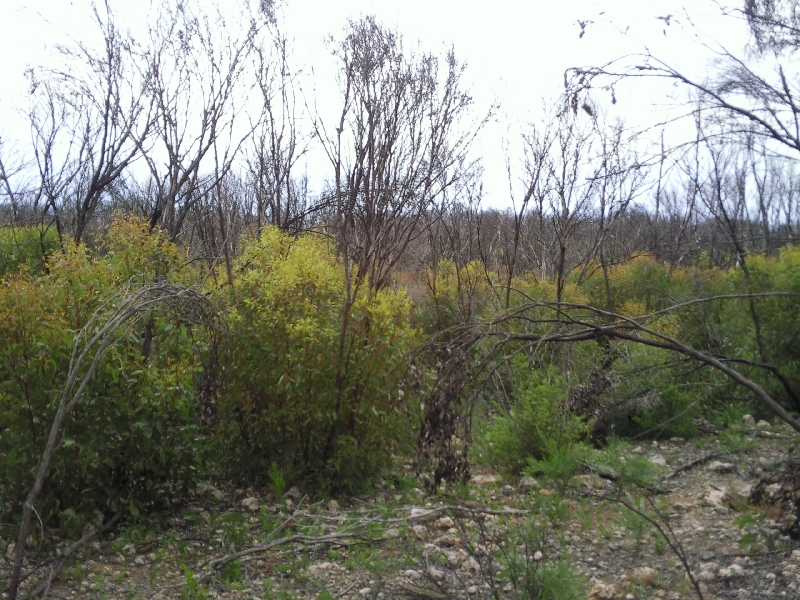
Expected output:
(196, 67)
(88, 118)
(399, 143)
(278, 144)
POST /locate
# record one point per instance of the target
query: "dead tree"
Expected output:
(400, 141)
(196, 63)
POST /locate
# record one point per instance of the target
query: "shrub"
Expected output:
(537, 423)
(311, 383)
(135, 427)
(25, 248)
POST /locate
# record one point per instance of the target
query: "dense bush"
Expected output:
(25, 248)
(311, 381)
(537, 424)
(135, 427)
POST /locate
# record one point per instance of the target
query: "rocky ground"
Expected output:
(399, 543)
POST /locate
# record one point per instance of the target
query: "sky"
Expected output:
(516, 52)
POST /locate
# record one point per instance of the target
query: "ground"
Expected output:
(487, 539)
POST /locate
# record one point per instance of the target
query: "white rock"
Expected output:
(217, 495)
(412, 574)
(445, 523)
(293, 493)
(748, 421)
(435, 573)
(706, 576)
(251, 504)
(538, 555)
(484, 479)
(333, 506)
(470, 565)
(526, 484)
(659, 460)
(720, 467)
(763, 425)
(416, 513)
(420, 532)
(392, 533)
(364, 591)
(731, 571)
(714, 497)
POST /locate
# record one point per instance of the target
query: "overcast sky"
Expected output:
(516, 51)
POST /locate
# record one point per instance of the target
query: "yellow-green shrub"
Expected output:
(311, 384)
(135, 427)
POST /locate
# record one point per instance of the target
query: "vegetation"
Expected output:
(218, 320)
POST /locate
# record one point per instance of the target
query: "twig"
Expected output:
(694, 463)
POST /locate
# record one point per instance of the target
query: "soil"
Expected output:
(728, 511)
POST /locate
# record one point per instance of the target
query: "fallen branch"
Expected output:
(697, 461)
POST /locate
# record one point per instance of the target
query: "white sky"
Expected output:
(516, 51)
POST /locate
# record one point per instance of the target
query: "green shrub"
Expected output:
(549, 577)
(135, 427)
(537, 423)
(311, 384)
(26, 248)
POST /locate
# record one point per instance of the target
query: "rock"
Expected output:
(429, 549)
(748, 421)
(412, 574)
(637, 450)
(602, 591)
(732, 571)
(485, 479)
(643, 575)
(446, 541)
(293, 493)
(252, 504)
(333, 506)
(762, 425)
(445, 523)
(435, 573)
(470, 565)
(507, 490)
(217, 495)
(715, 497)
(706, 576)
(11, 551)
(416, 513)
(720, 467)
(420, 532)
(537, 556)
(472, 590)
(139, 560)
(364, 591)
(392, 533)
(659, 460)
(321, 569)
(526, 484)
